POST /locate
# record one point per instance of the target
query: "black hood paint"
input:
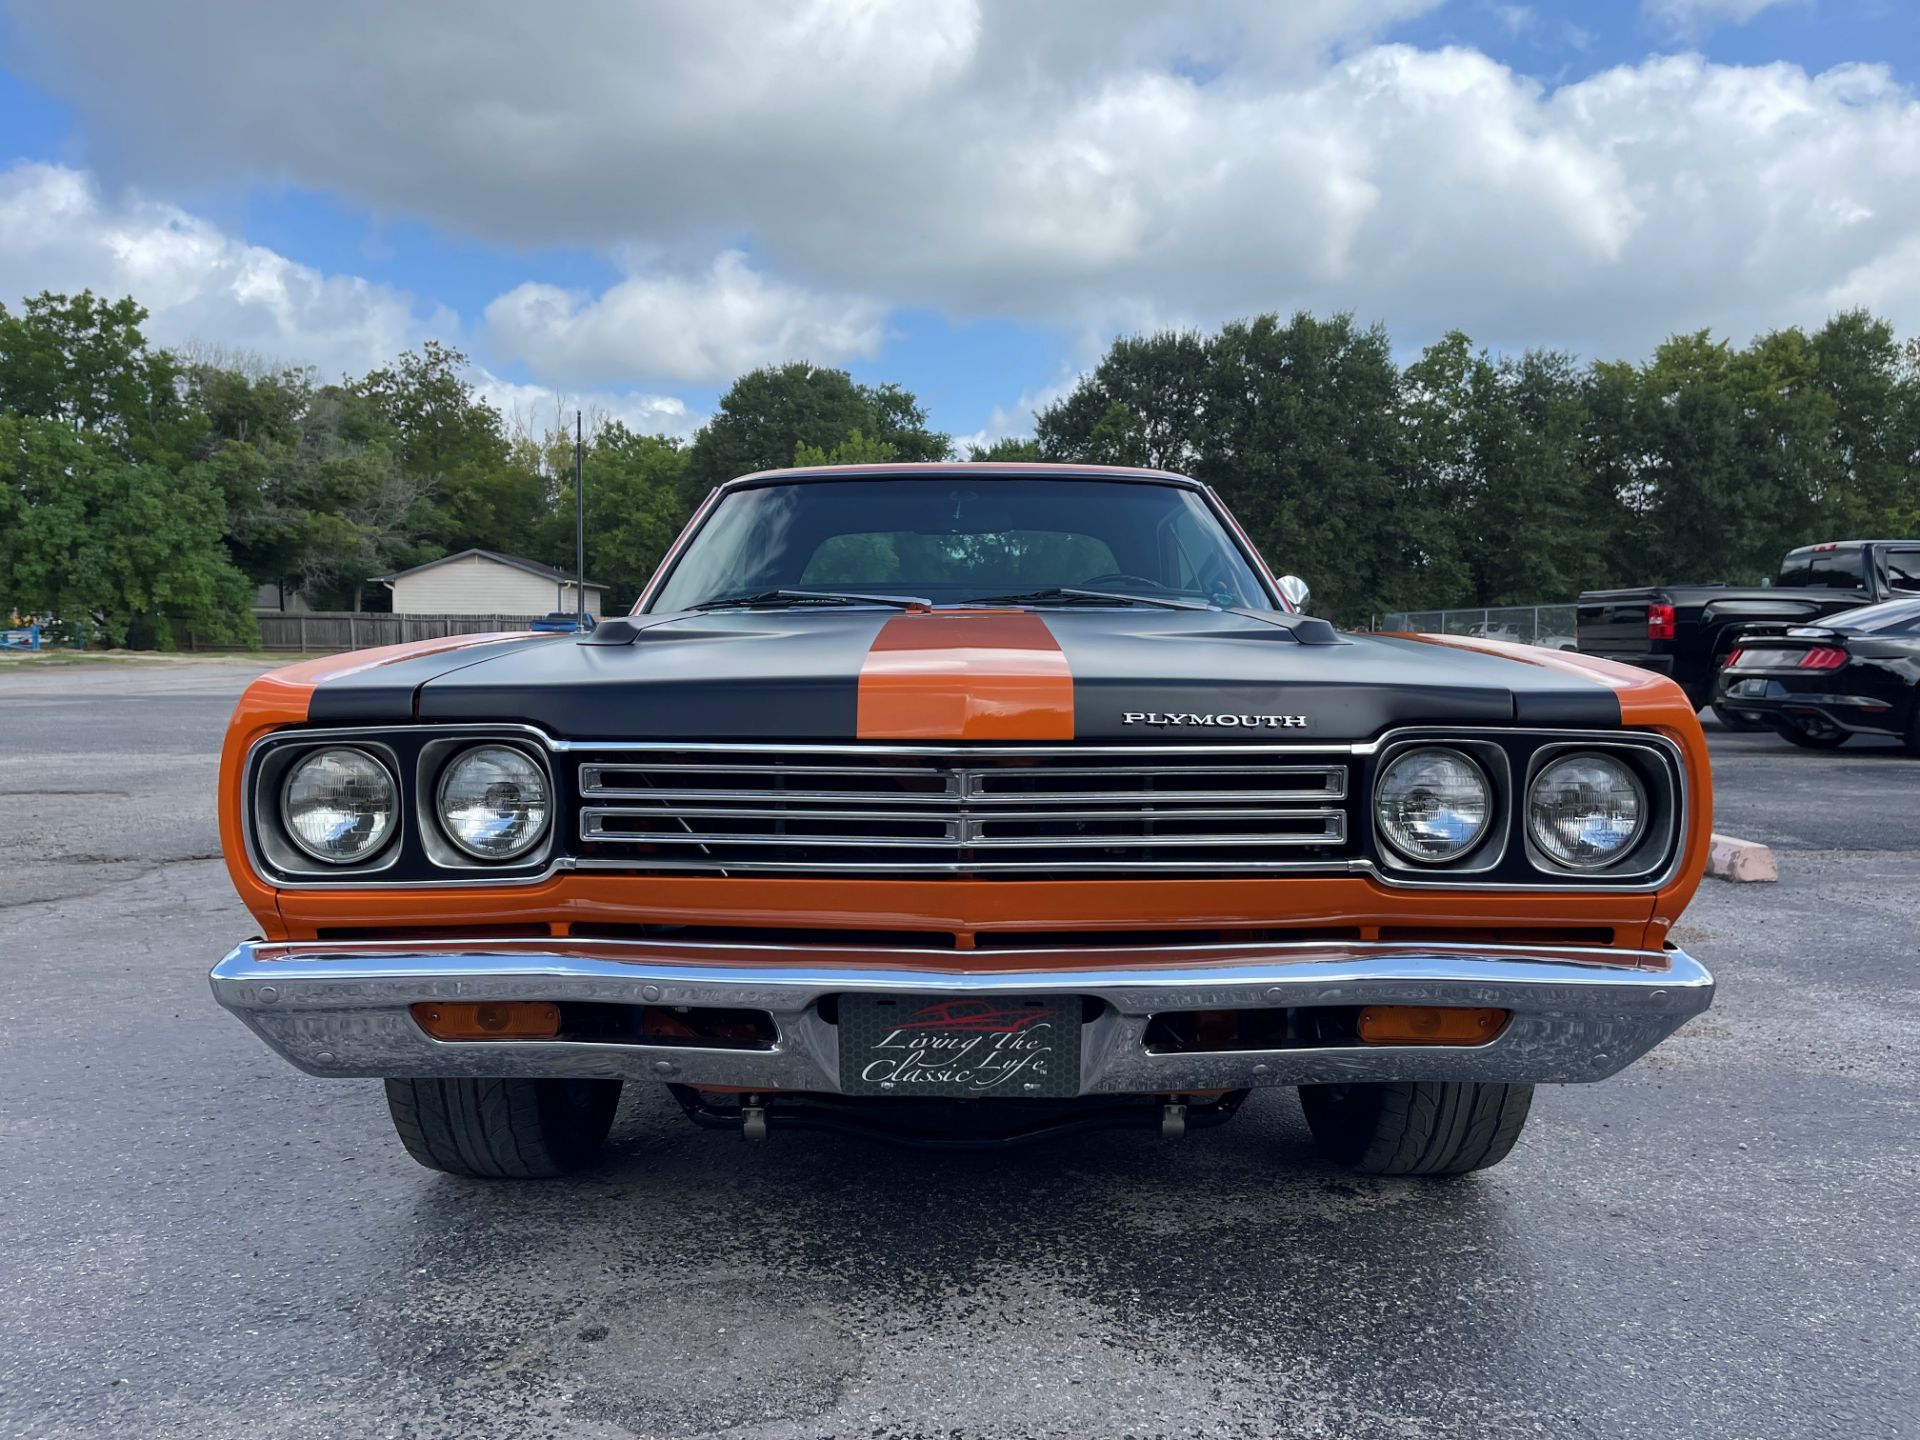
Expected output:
(794, 675)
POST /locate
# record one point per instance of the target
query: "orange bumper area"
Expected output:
(1345, 907)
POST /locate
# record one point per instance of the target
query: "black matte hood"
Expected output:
(1135, 674)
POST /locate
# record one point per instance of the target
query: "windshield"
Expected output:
(964, 540)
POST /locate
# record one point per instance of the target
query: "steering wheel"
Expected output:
(1118, 577)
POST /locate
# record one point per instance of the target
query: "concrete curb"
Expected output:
(1741, 861)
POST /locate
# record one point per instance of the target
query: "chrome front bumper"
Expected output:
(341, 1008)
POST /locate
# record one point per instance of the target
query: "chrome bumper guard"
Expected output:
(341, 1008)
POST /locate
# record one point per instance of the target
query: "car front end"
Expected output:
(966, 872)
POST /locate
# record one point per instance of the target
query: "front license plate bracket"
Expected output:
(1012, 1047)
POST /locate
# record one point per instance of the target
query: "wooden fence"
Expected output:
(331, 631)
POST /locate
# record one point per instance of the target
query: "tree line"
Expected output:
(142, 488)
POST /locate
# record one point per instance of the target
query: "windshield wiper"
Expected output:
(811, 597)
(1068, 595)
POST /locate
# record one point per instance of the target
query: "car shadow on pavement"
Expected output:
(694, 1282)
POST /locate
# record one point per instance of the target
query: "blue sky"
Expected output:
(965, 198)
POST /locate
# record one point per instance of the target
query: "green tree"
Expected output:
(1007, 449)
(93, 538)
(1294, 423)
(1145, 403)
(110, 520)
(635, 508)
(454, 446)
(1500, 507)
(856, 449)
(767, 415)
(84, 362)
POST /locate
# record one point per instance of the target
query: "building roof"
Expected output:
(517, 562)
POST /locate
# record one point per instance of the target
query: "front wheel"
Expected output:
(503, 1129)
(1409, 1127)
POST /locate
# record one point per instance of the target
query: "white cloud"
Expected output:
(57, 232)
(540, 408)
(706, 326)
(1693, 19)
(1089, 164)
(203, 286)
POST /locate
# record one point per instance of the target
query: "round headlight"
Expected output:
(338, 805)
(1585, 811)
(1433, 805)
(493, 802)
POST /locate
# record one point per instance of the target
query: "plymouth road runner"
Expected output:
(963, 804)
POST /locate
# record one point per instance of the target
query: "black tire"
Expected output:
(1831, 739)
(1913, 725)
(1410, 1127)
(1734, 720)
(503, 1129)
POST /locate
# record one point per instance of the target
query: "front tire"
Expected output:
(503, 1129)
(1409, 1127)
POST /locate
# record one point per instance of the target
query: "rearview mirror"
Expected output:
(1296, 592)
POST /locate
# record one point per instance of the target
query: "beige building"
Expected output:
(482, 582)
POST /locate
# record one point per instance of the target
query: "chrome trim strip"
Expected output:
(965, 782)
(340, 1008)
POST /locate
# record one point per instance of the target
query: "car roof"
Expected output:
(939, 469)
(1846, 545)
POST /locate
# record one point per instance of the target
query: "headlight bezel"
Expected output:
(272, 833)
(1486, 853)
(417, 855)
(1507, 860)
(1661, 782)
(432, 797)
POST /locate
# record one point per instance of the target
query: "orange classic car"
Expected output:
(966, 805)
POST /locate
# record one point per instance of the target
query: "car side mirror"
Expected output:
(1295, 590)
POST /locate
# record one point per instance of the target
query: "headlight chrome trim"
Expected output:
(1487, 852)
(270, 837)
(1655, 851)
(437, 759)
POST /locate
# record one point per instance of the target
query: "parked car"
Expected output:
(1511, 634)
(1687, 631)
(1855, 673)
(967, 804)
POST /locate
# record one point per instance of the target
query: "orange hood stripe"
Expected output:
(965, 675)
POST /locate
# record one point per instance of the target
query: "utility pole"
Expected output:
(579, 522)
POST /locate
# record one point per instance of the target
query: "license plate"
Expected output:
(1007, 1047)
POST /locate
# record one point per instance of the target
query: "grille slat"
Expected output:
(961, 811)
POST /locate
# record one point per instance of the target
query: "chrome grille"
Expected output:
(924, 809)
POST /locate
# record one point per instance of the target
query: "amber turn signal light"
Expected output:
(1428, 1025)
(489, 1020)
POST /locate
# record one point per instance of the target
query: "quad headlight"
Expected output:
(1433, 804)
(339, 805)
(1585, 810)
(493, 802)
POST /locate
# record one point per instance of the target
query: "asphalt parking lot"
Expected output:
(200, 1242)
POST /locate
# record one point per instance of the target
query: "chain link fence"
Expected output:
(1548, 625)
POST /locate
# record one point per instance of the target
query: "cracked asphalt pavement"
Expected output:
(202, 1242)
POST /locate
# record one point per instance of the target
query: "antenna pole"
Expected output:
(579, 523)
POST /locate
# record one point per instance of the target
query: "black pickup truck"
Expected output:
(1687, 631)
